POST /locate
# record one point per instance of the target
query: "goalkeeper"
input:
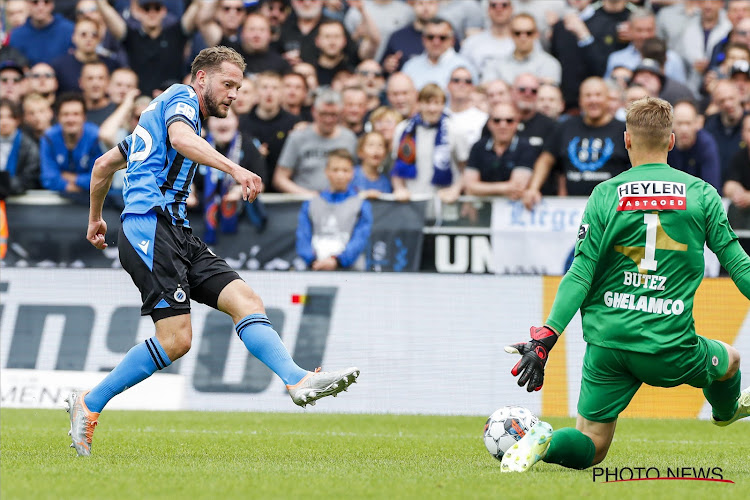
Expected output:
(638, 262)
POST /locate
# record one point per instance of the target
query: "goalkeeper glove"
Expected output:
(533, 357)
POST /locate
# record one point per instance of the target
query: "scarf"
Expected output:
(405, 164)
(220, 215)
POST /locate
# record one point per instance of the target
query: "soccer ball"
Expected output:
(505, 427)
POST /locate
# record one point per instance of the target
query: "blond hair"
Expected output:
(385, 112)
(429, 92)
(210, 59)
(649, 122)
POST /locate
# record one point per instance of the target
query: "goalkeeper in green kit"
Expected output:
(638, 262)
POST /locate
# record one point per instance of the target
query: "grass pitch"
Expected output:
(190, 455)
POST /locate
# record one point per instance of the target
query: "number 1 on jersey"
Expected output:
(648, 262)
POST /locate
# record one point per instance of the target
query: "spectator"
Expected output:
(466, 119)
(700, 37)
(401, 94)
(256, 47)
(466, 18)
(366, 36)
(369, 180)
(588, 149)
(672, 19)
(294, 96)
(387, 15)
(740, 76)
(527, 55)
(37, 116)
(609, 30)
(221, 195)
(16, 13)
(479, 99)
(354, 101)
(534, 126)
(737, 185)
(301, 166)
(649, 75)
(616, 100)
(501, 164)
(68, 66)
(635, 92)
(439, 59)
(220, 22)
(738, 13)
(545, 13)
(549, 102)
(45, 36)
(68, 150)
(643, 27)
(384, 121)
(482, 48)
(621, 76)
(734, 51)
(94, 82)
(428, 154)
(19, 154)
(331, 44)
(276, 11)
(695, 150)
(121, 82)
(43, 81)
(333, 228)
(577, 50)
(498, 91)
(268, 122)
(298, 33)
(108, 47)
(372, 80)
(155, 48)
(405, 43)
(13, 81)
(726, 125)
(672, 90)
(246, 97)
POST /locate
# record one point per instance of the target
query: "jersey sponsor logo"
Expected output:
(642, 303)
(143, 245)
(185, 110)
(652, 195)
(583, 231)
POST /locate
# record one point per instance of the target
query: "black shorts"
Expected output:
(169, 265)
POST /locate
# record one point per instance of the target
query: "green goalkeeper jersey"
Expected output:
(645, 231)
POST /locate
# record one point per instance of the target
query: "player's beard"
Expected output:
(212, 106)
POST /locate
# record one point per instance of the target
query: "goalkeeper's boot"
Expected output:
(528, 450)
(318, 384)
(743, 410)
(82, 423)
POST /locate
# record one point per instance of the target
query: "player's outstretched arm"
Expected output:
(184, 139)
(101, 179)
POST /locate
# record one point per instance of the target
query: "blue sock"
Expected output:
(264, 343)
(138, 364)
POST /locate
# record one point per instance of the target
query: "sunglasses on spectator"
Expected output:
(499, 5)
(527, 90)
(442, 38)
(364, 72)
(524, 32)
(461, 80)
(152, 7)
(11, 79)
(37, 76)
(227, 8)
(499, 119)
(40, 1)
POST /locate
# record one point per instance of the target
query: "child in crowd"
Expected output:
(334, 227)
(369, 181)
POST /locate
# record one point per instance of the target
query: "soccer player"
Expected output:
(638, 262)
(166, 262)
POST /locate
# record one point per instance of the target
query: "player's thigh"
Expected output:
(150, 251)
(607, 387)
(601, 433)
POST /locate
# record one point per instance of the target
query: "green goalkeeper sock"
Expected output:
(722, 396)
(570, 448)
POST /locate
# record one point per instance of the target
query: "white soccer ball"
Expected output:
(505, 427)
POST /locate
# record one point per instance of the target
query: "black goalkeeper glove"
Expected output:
(533, 357)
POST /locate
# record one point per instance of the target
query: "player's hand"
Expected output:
(534, 354)
(250, 182)
(95, 233)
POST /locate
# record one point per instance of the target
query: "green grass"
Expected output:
(190, 455)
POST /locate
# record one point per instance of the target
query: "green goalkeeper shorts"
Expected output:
(611, 377)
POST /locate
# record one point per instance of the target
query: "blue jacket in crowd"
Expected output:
(57, 158)
(701, 160)
(43, 45)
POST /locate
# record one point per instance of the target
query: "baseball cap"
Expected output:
(11, 64)
(740, 68)
(651, 66)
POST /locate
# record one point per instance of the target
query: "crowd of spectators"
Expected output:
(516, 98)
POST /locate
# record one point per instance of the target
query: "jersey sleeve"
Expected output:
(591, 229)
(183, 107)
(719, 233)
(124, 146)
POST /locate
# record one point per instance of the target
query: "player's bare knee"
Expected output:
(734, 362)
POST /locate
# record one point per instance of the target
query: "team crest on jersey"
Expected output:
(652, 195)
(180, 295)
(583, 231)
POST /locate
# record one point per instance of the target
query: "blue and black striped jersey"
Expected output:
(157, 175)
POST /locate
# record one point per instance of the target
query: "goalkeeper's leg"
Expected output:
(728, 404)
